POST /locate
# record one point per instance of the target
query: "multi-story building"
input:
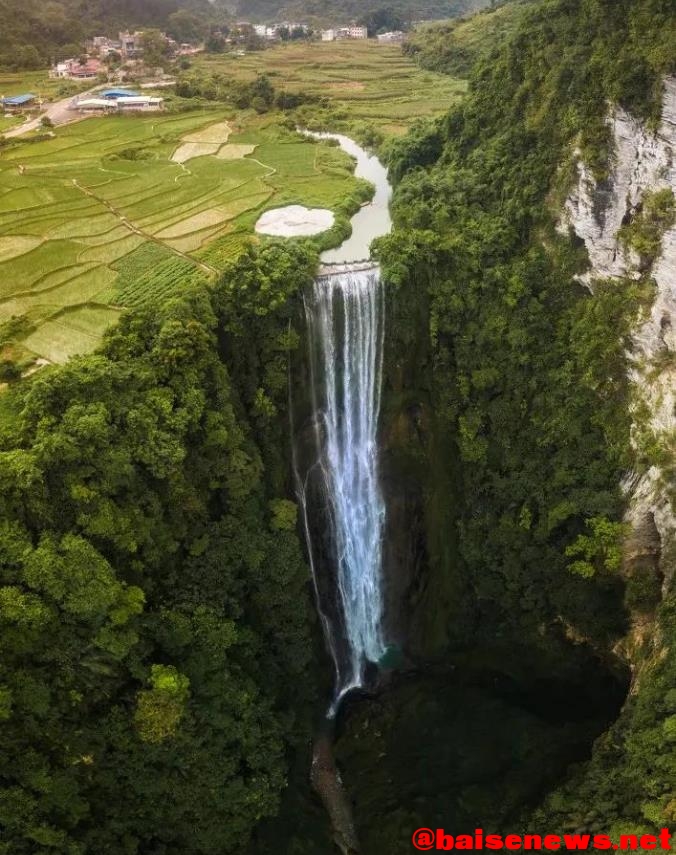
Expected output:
(131, 45)
(357, 32)
(73, 69)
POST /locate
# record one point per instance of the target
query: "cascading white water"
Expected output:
(345, 315)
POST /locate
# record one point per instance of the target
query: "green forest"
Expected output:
(162, 669)
(156, 628)
(33, 34)
(343, 11)
(524, 377)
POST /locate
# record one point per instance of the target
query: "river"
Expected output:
(373, 220)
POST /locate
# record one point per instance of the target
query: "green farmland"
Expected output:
(368, 83)
(117, 212)
(101, 218)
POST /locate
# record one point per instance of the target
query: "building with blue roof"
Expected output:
(118, 93)
(18, 100)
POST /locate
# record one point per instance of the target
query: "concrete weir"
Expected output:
(351, 267)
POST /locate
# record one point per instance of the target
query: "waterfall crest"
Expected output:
(345, 317)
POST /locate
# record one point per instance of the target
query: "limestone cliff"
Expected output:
(644, 161)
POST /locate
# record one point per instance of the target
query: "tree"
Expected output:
(156, 655)
(155, 48)
(599, 549)
(184, 26)
(381, 20)
(215, 43)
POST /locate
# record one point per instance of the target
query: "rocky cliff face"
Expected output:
(644, 161)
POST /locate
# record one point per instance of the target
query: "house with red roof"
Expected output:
(75, 69)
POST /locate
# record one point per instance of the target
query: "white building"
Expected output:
(352, 32)
(395, 37)
(358, 32)
(93, 105)
(139, 102)
(60, 70)
(269, 33)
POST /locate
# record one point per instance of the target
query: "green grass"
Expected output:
(7, 122)
(40, 84)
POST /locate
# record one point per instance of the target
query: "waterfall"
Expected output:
(345, 317)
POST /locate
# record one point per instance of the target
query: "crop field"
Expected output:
(365, 80)
(103, 217)
(119, 212)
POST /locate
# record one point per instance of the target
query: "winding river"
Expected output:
(373, 220)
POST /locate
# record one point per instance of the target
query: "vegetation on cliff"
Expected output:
(455, 46)
(525, 374)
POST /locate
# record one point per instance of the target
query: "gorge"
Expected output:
(367, 566)
(445, 597)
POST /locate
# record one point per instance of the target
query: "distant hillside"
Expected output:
(32, 31)
(453, 47)
(329, 11)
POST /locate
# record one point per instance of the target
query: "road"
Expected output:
(57, 111)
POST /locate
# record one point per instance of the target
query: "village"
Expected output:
(107, 66)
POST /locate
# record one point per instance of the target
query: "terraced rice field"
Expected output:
(368, 82)
(105, 216)
(120, 212)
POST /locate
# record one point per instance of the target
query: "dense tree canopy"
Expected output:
(524, 372)
(35, 33)
(337, 11)
(153, 610)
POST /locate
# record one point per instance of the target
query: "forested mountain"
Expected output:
(32, 33)
(455, 46)
(519, 381)
(344, 11)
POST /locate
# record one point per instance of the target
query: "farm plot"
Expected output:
(71, 332)
(123, 211)
(73, 208)
(234, 151)
(201, 143)
(151, 274)
(366, 82)
(224, 249)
